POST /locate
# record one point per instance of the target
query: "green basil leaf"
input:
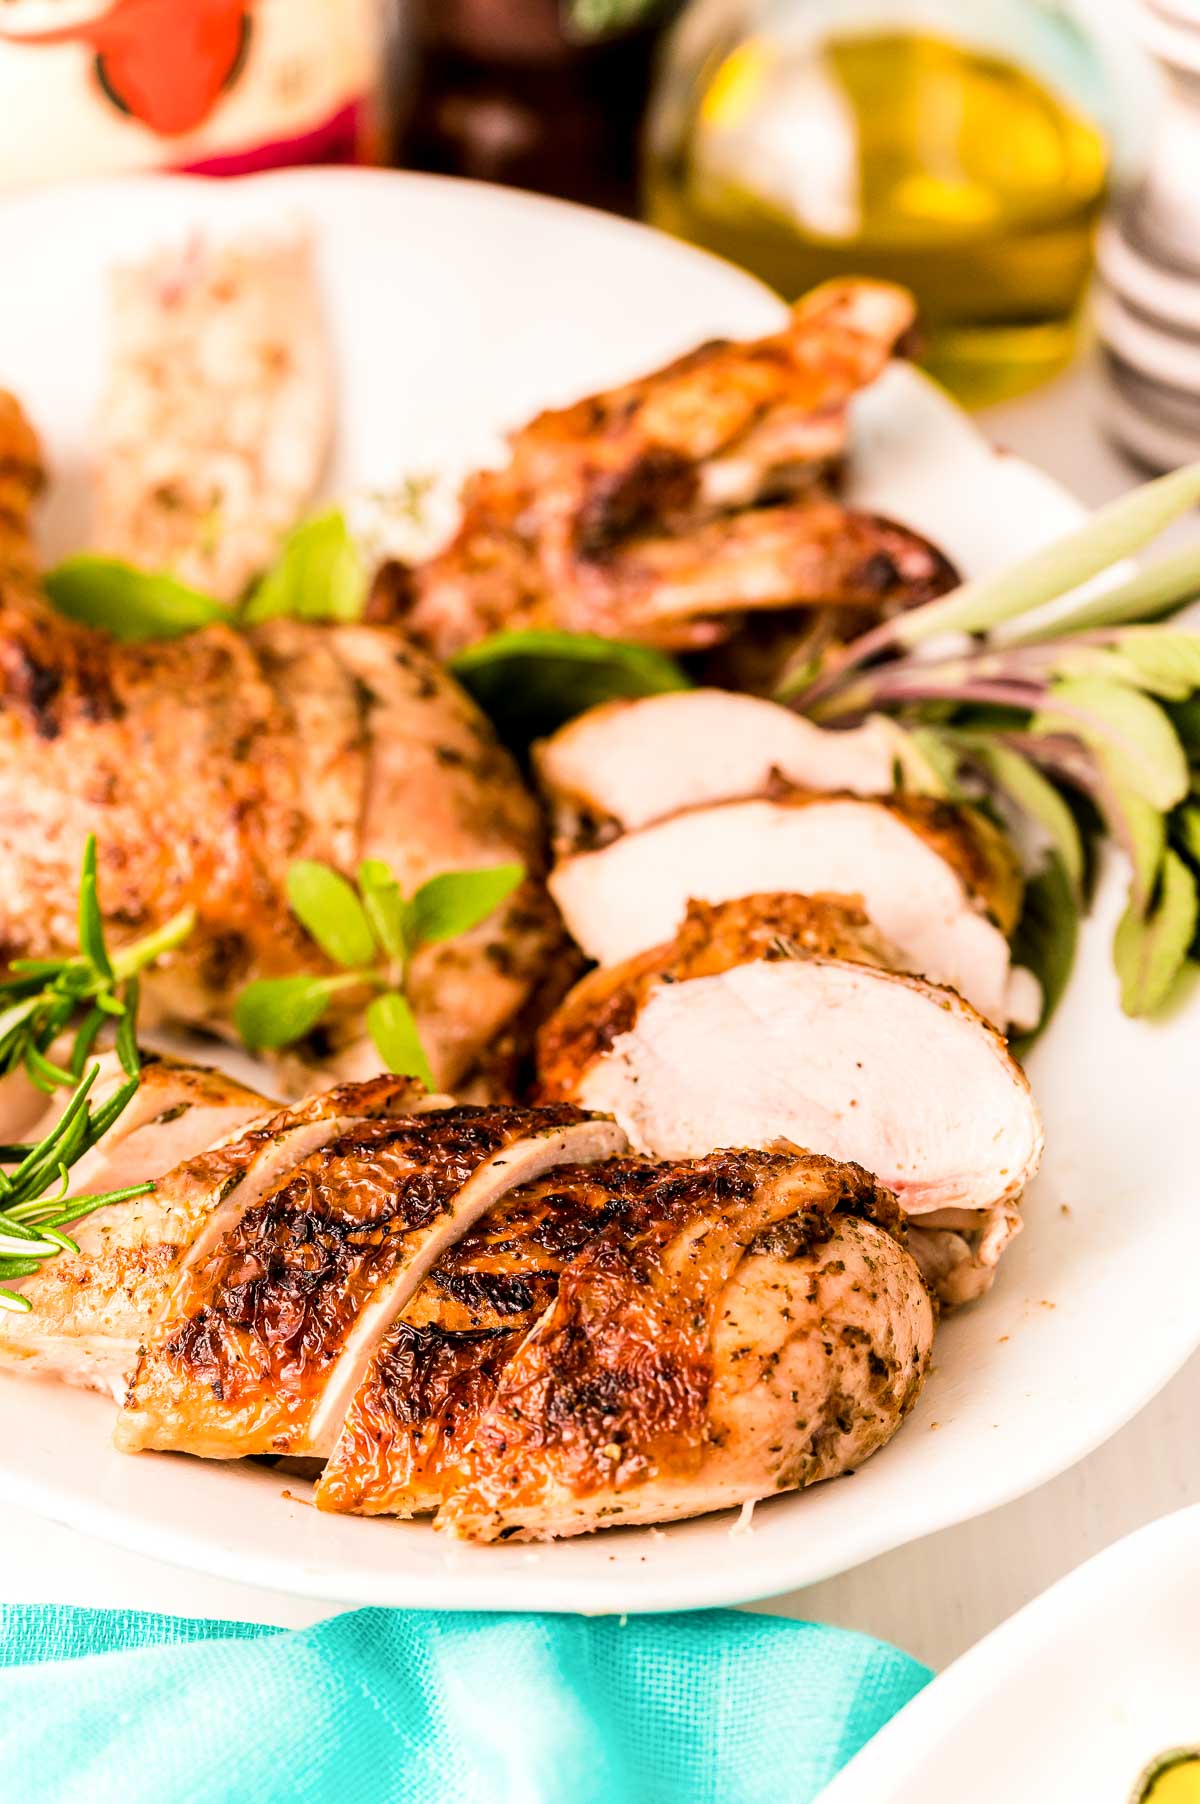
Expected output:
(91, 922)
(1150, 946)
(1037, 797)
(392, 1027)
(384, 906)
(329, 909)
(453, 903)
(126, 602)
(529, 683)
(319, 575)
(277, 1011)
(1132, 734)
(1046, 938)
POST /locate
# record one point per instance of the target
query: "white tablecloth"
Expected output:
(935, 1598)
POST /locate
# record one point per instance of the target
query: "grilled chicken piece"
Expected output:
(91, 1312)
(218, 415)
(606, 517)
(627, 764)
(280, 1306)
(206, 764)
(679, 591)
(776, 1018)
(938, 880)
(747, 1323)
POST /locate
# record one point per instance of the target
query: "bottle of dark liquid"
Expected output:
(522, 92)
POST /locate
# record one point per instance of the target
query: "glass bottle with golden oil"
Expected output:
(962, 147)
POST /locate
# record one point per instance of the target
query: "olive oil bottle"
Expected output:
(901, 153)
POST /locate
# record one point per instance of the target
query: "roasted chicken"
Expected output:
(205, 765)
(779, 1019)
(492, 1313)
(938, 881)
(651, 512)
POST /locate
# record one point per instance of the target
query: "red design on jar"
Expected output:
(164, 62)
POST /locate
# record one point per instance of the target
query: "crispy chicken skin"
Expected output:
(492, 1313)
(206, 764)
(269, 1327)
(640, 513)
(777, 1018)
(92, 1310)
(22, 478)
(675, 1373)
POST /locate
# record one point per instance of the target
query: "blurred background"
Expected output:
(985, 152)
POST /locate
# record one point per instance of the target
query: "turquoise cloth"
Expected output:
(406, 1707)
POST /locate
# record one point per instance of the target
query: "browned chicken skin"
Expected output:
(638, 513)
(376, 1279)
(206, 764)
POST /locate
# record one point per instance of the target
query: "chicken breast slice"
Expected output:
(627, 764)
(735, 1333)
(933, 878)
(777, 1018)
(268, 1334)
(92, 1311)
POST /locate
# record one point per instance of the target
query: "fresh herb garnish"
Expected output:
(127, 602)
(34, 1204)
(530, 683)
(372, 932)
(43, 998)
(1054, 704)
(318, 575)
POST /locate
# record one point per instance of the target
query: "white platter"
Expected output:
(457, 310)
(1072, 1699)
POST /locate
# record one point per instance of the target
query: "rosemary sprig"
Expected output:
(34, 1203)
(42, 998)
(372, 932)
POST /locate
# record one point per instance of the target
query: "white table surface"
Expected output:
(936, 1597)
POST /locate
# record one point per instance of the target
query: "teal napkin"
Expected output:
(407, 1707)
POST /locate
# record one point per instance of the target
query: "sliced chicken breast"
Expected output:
(937, 880)
(774, 1019)
(92, 1311)
(627, 764)
(737, 1331)
(267, 1335)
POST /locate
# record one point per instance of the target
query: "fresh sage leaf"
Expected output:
(1139, 829)
(277, 1011)
(529, 683)
(384, 906)
(319, 575)
(1036, 796)
(1046, 939)
(1150, 946)
(128, 603)
(453, 903)
(1115, 532)
(393, 1029)
(1154, 592)
(327, 906)
(1132, 733)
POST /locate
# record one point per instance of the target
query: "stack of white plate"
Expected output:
(1148, 298)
